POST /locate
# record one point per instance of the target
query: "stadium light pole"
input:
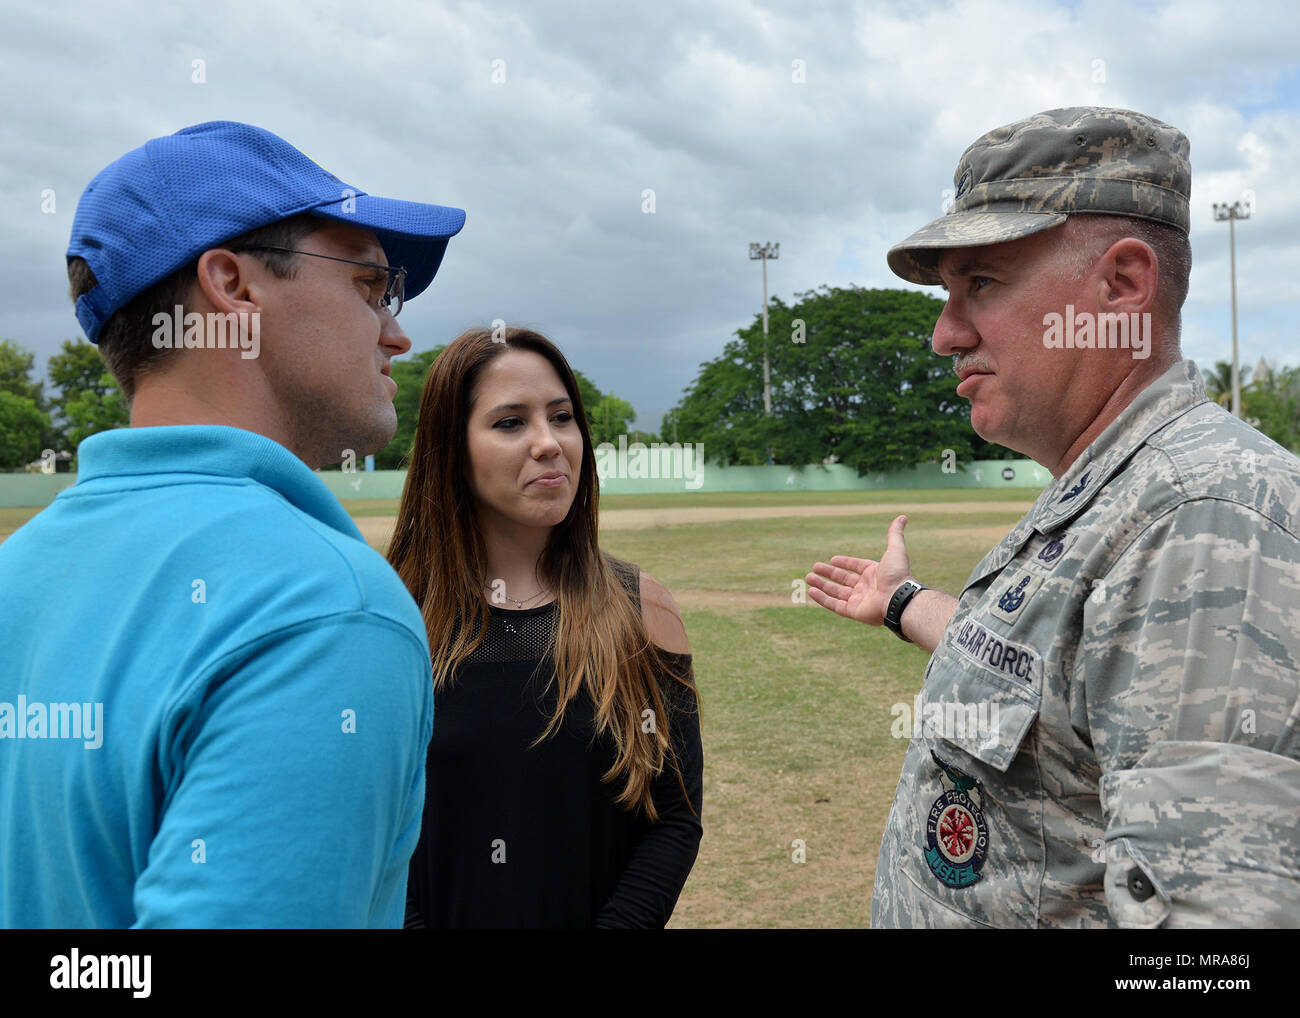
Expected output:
(1233, 212)
(762, 252)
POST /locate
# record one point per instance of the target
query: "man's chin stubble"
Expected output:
(325, 436)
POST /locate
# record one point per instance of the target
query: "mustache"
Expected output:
(973, 361)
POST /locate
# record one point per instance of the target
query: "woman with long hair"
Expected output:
(564, 777)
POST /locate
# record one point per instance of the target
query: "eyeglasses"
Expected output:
(393, 291)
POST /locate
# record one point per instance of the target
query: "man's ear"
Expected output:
(1129, 278)
(228, 282)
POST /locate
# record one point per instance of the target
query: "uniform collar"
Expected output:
(1170, 396)
(215, 451)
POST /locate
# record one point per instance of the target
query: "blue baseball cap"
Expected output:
(159, 207)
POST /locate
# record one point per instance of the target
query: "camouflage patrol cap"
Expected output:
(1031, 175)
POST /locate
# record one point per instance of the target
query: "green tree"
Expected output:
(89, 412)
(1273, 399)
(723, 409)
(853, 376)
(23, 426)
(1218, 382)
(77, 373)
(16, 366)
(16, 378)
(610, 418)
(591, 396)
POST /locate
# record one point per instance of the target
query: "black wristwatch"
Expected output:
(902, 597)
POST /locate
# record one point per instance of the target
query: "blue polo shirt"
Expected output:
(215, 698)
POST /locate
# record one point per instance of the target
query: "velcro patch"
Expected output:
(1011, 596)
(1015, 661)
(1052, 550)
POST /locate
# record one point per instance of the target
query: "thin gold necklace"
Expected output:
(520, 604)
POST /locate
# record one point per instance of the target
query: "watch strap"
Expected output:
(898, 603)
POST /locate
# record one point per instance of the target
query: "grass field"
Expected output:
(795, 701)
(12, 519)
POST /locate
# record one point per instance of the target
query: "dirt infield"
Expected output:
(377, 530)
(691, 598)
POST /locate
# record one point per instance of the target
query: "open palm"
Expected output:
(860, 588)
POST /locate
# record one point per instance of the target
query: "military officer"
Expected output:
(1138, 631)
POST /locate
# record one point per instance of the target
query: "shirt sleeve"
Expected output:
(294, 782)
(664, 853)
(1189, 661)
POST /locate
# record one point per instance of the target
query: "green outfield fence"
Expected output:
(625, 478)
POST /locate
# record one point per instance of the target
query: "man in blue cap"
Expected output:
(217, 699)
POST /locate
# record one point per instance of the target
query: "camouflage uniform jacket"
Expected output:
(1132, 648)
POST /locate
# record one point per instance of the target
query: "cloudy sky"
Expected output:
(699, 102)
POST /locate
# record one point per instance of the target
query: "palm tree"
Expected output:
(1218, 382)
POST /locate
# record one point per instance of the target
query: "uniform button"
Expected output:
(1138, 885)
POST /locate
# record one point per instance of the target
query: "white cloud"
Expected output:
(696, 102)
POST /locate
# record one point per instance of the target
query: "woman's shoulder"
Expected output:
(627, 573)
(663, 622)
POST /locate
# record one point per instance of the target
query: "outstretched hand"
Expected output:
(860, 588)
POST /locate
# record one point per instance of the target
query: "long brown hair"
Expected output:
(600, 640)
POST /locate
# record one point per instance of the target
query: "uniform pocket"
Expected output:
(986, 695)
